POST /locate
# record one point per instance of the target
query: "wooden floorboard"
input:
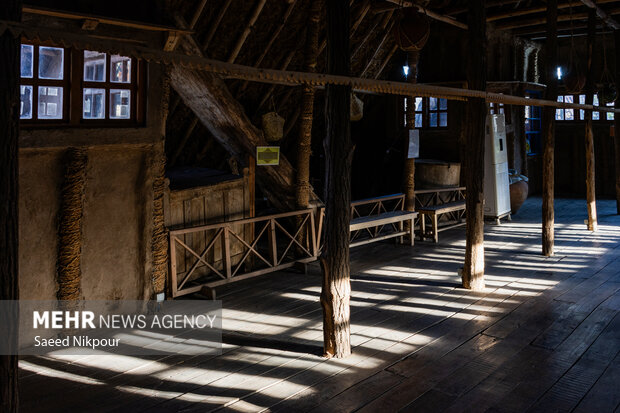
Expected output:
(543, 336)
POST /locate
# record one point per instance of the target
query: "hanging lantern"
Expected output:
(607, 93)
(357, 108)
(411, 30)
(574, 81)
(273, 126)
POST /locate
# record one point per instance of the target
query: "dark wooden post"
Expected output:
(589, 141)
(302, 189)
(336, 291)
(9, 128)
(548, 177)
(617, 121)
(409, 170)
(473, 271)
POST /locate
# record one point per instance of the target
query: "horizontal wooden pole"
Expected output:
(283, 77)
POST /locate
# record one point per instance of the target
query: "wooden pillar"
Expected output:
(336, 288)
(409, 170)
(9, 127)
(476, 110)
(159, 236)
(617, 121)
(304, 146)
(548, 177)
(68, 264)
(589, 141)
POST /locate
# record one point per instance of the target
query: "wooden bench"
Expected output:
(439, 202)
(379, 221)
(370, 216)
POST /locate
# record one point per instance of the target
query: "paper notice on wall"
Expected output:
(414, 144)
(267, 155)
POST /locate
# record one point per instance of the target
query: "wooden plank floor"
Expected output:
(544, 335)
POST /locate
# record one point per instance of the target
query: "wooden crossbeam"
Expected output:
(246, 30)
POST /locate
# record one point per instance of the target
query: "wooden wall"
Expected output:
(222, 202)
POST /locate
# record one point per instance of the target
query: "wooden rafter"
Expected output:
(215, 24)
(601, 14)
(246, 30)
(272, 40)
(435, 16)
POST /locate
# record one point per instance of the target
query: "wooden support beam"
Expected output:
(304, 141)
(379, 21)
(611, 22)
(473, 270)
(197, 14)
(435, 16)
(409, 167)
(336, 288)
(9, 220)
(215, 24)
(247, 30)
(589, 135)
(386, 61)
(272, 40)
(540, 21)
(617, 122)
(387, 33)
(548, 177)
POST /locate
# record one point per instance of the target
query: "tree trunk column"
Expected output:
(617, 122)
(548, 177)
(589, 138)
(473, 271)
(336, 289)
(9, 236)
(409, 170)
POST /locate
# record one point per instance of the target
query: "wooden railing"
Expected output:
(280, 241)
(438, 196)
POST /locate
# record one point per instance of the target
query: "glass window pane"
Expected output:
(432, 103)
(418, 120)
(569, 114)
(595, 100)
(596, 116)
(443, 119)
(94, 103)
(610, 116)
(418, 104)
(559, 114)
(433, 120)
(50, 103)
(120, 69)
(560, 98)
(94, 66)
(568, 99)
(582, 113)
(51, 61)
(25, 104)
(26, 60)
(443, 104)
(120, 103)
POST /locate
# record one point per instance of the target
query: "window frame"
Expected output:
(426, 112)
(73, 85)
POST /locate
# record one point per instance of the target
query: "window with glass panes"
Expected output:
(104, 90)
(430, 112)
(571, 114)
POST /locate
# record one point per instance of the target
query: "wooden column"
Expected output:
(589, 141)
(336, 289)
(409, 170)
(9, 127)
(617, 121)
(302, 188)
(473, 271)
(548, 177)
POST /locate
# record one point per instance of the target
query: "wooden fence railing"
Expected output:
(280, 242)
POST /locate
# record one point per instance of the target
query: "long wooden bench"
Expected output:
(371, 216)
(432, 204)
(379, 221)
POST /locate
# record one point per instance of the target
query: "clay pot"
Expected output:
(518, 195)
